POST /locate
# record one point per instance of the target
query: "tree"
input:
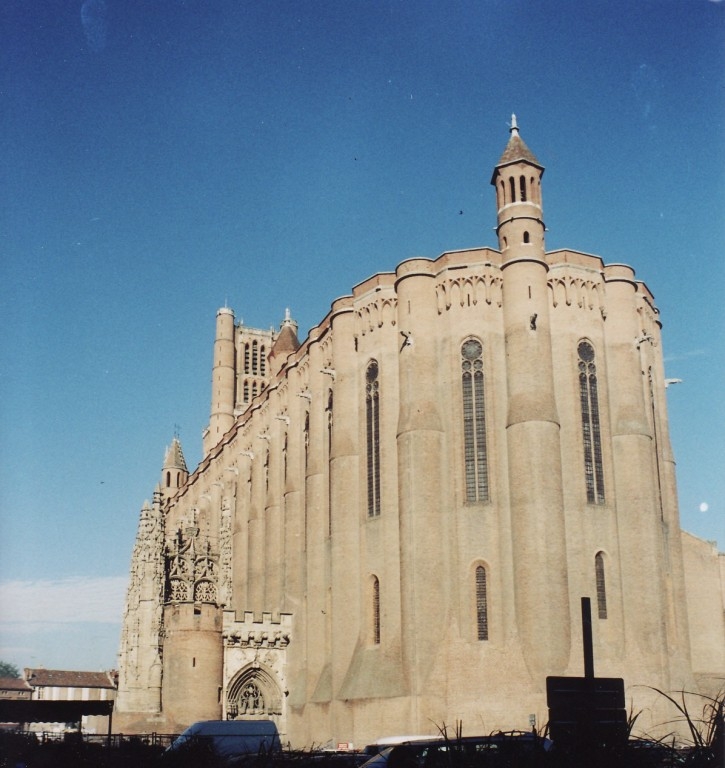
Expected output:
(8, 670)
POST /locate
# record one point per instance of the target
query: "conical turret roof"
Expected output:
(516, 150)
(287, 341)
(174, 458)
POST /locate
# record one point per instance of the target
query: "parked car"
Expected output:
(497, 749)
(226, 741)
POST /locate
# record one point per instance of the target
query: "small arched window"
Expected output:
(262, 361)
(512, 186)
(481, 604)
(526, 237)
(502, 196)
(601, 585)
(375, 611)
(522, 188)
(246, 358)
(168, 479)
(255, 357)
(246, 391)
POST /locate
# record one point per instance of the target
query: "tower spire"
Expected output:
(514, 129)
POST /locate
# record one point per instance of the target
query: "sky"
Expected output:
(163, 158)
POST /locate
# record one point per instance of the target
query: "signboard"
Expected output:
(586, 709)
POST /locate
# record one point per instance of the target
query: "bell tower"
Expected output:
(517, 179)
(532, 423)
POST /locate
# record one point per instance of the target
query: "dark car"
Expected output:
(500, 749)
(222, 742)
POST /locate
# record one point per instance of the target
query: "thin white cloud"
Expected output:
(685, 355)
(63, 601)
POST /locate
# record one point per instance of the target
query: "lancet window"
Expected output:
(372, 421)
(376, 610)
(474, 421)
(591, 433)
(601, 585)
(481, 604)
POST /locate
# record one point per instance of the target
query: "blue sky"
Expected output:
(162, 158)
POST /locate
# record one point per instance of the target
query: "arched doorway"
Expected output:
(253, 693)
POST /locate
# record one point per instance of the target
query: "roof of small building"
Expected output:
(62, 678)
(14, 684)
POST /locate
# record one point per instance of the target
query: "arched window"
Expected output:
(502, 198)
(255, 357)
(254, 389)
(522, 187)
(526, 237)
(474, 421)
(601, 585)
(262, 361)
(246, 358)
(284, 457)
(307, 438)
(376, 611)
(589, 400)
(246, 391)
(168, 479)
(372, 421)
(329, 422)
(512, 185)
(481, 604)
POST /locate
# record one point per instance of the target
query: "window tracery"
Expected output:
(591, 434)
(474, 421)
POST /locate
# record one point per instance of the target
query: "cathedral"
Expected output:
(394, 521)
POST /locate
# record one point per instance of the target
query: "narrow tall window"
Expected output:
(284, 458)
(589, 399)
(246, 358)
(372, 418)
(255, 357)
(512, 185)
(262, 360)
(307, 439)
(474, 421)
(601, 585)
(329, 458)
(376, 611)
(522, 187)
(481, 604)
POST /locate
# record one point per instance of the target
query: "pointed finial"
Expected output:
(286, 313)
(514, 129)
